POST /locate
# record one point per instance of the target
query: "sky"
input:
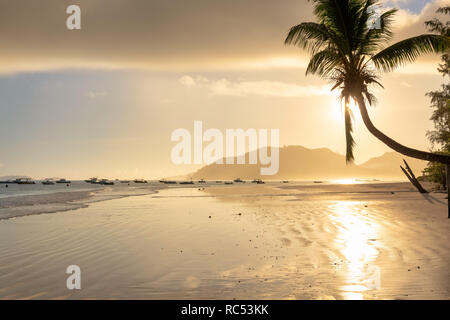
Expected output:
(104, 100)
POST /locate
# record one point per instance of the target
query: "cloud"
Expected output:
(225, 87)
(163, 35)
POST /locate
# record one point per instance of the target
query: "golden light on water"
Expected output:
(346, 181)
(355, 240)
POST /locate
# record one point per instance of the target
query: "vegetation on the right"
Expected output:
(440, 102)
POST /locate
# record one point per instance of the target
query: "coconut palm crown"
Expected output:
(350, 51)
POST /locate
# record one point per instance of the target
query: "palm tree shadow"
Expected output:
(432, 199)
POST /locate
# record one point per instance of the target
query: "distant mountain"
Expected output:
(301, 163)
(389, 164)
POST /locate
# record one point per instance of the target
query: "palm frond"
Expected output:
(308, 35)
(323, 63)
(409, 50)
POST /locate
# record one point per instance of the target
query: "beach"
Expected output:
(242, 241)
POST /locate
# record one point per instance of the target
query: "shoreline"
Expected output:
(68, 200)
(62, 201)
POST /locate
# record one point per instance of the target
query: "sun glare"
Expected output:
(338, 108)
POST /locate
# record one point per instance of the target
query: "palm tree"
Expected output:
(346, 50)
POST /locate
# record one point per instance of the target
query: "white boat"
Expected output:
(24, 181)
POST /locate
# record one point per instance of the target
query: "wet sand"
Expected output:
(273, 241)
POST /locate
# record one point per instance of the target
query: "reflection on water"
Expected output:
(355, 240)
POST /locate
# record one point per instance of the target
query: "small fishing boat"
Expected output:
(106, 182)
(170, 182)
(201, 181)
(239, 180)
(186, 182)
(24, 181)
(63, 181)
(48, 182)
(92, 180)
(317, 181)
(228, 182)
(124, 181)
(140, 181)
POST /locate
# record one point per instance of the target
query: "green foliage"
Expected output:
(435, 172)
(350, 54)
(440, 103)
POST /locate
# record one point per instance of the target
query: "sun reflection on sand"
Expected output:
(354, 239)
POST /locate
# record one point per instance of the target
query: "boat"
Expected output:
(201, 181)
(258, 181)
(48, 182)
(218, 181)
(63, 181)
(91, 180)
(170, 182)
(6, 181)
(238, 180)
(24, 181)
(124, 181)
(140, 181)
(317, 181)
(285, 181)
(228, 182)
(186, 182)
(106, 182)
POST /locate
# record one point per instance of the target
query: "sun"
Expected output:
(337, 108)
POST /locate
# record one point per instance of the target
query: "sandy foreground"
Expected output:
(273, 241)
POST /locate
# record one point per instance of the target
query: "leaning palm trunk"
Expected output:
(410, 152)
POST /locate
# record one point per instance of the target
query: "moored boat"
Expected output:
(106, 182)
(24, 181)
(258, 181)
(63, 181)
(92, 180)
(170, 182)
